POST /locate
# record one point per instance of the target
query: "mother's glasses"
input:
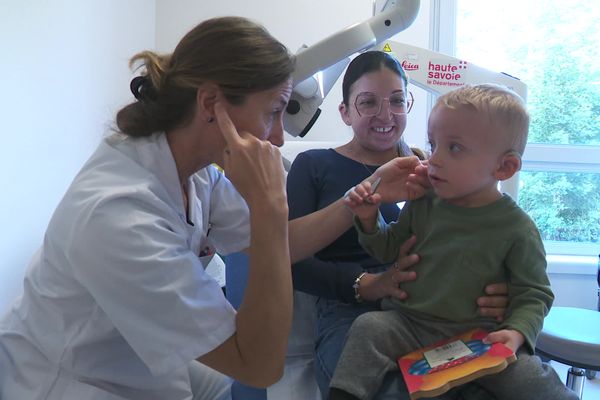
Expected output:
(369, 104)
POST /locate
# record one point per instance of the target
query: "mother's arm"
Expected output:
(329, 279)
(312, 232)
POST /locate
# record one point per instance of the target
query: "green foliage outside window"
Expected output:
(563, 205)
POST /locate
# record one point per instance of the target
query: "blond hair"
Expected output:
(238, 55)
(502, 106)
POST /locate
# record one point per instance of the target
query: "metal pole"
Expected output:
(575, 380)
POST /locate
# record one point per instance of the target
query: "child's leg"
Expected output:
(527, 379)
(429, 332)
(374, 342)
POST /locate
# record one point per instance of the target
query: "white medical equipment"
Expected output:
(320, 65)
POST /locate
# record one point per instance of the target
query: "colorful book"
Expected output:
(435, 369)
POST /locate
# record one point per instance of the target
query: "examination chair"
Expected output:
(571, 336)
(298, 381)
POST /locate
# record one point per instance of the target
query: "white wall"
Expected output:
(63, 75)
(296, 23)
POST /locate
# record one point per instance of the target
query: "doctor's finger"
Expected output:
(228, 130)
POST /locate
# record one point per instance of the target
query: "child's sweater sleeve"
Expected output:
(385, 241)
(530, 295)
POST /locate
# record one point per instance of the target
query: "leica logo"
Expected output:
(409, 66)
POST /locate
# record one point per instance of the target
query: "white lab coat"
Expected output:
(116, 302)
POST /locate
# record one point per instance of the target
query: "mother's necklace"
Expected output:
(372, 172)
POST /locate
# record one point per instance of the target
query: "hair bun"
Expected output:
(139, 87)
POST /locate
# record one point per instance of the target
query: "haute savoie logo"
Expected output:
(446, 74)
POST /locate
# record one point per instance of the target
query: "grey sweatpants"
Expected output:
(376, 339)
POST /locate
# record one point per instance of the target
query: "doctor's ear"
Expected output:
(207, 95)
(344, 113)
(510, 164)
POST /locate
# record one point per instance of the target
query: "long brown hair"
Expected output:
(236, 54)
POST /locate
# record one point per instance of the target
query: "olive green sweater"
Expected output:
(462, 250)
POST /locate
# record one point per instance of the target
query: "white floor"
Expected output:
(591, 388)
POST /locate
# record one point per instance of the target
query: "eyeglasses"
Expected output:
(369, 104)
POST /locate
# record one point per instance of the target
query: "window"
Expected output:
(552, 46)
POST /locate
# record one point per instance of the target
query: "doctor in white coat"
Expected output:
(116, 303)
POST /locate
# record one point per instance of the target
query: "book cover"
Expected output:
(435, 369)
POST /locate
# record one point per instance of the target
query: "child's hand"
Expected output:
(511, 338)
(363, 203)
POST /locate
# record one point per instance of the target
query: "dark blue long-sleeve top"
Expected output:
(316, 179)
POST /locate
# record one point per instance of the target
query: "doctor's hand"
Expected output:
(376, 286)
(253, 166)
(403, 178)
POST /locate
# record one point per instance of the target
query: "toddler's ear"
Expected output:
(510, 164)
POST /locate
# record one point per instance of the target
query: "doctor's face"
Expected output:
(376, 109)
(261, 113)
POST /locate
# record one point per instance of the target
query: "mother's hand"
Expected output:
(403, 178)
(376, 286)
(495, 301)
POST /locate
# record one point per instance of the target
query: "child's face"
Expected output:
(466, 150)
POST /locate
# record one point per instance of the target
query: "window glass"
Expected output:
(551, 45)
(564, 205)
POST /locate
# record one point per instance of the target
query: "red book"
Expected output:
(435, 369)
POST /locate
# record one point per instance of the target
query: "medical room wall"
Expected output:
(295, 24)
(63, 76)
